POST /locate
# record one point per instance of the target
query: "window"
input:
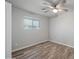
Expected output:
(36, 24)
(29, 23)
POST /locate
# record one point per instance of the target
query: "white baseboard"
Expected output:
(41, 42)
(61, 43)
(28, 46)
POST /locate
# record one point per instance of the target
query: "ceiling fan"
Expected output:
(55, 6)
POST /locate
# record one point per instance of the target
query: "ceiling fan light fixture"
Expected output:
(55, 10)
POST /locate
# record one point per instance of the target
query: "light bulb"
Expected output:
(55, 10)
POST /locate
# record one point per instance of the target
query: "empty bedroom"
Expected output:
(39, 29)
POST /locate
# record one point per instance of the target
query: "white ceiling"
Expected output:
(35, 6)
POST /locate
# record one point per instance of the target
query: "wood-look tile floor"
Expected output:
(46, 50)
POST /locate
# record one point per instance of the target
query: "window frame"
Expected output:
(33, 19)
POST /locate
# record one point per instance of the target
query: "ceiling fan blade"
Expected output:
(46, 4)
(63, 1)
(61, 4)
(57, 2)
(49, 1)
(64, 9)
(52, 4)
(45, 9)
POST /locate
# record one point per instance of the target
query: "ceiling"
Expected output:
(35, 6)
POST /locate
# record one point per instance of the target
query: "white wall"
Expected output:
(62, 29)
(8, 30)
(22, 38)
